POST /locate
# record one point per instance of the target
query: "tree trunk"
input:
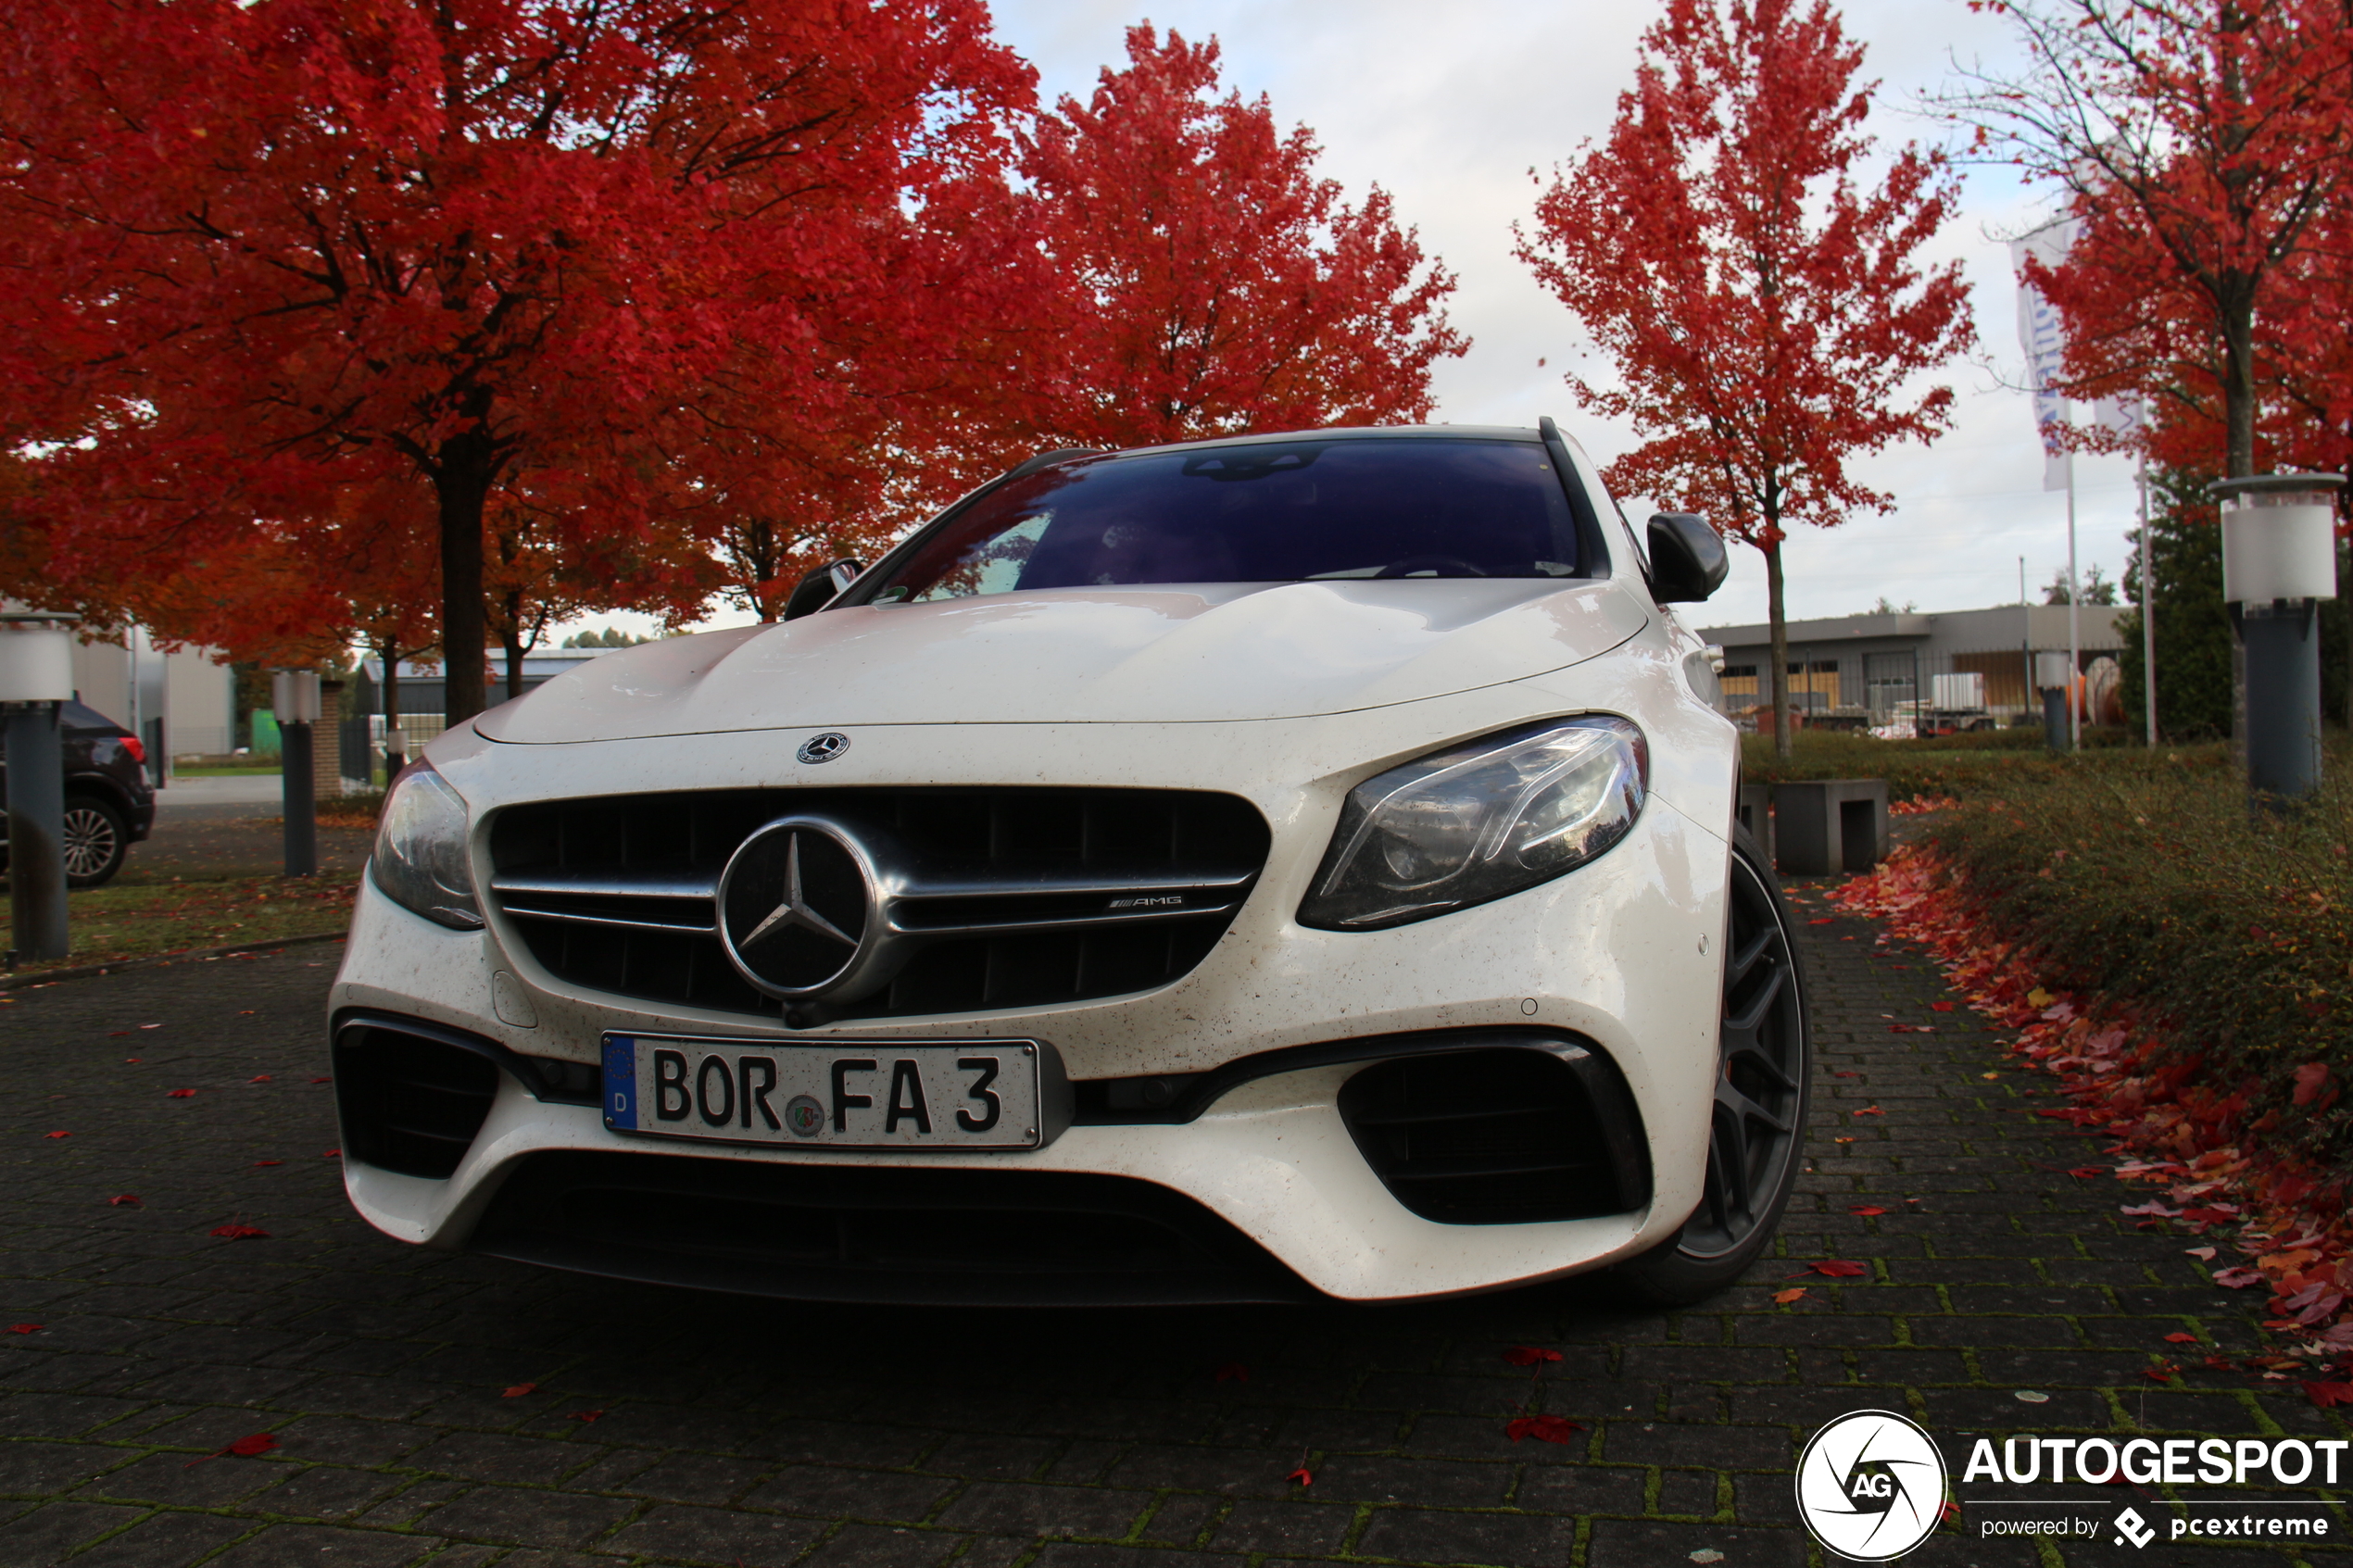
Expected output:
(510, 635)
(395, 743)
(462, 483)
(1780, 621)
(2238, 460)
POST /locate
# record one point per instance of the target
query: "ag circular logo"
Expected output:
(822, 747)
(794, 906)
(1870, 1485)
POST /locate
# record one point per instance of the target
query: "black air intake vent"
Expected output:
(810, 1233)
(1487, 1137)
(1020, 897)
(410, 1103)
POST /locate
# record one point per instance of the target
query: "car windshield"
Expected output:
(1288, 511)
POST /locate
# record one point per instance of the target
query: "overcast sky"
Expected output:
(1448, 108)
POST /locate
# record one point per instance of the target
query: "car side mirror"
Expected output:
(821, 587)
(1688, 559)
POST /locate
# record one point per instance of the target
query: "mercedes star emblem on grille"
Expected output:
(824, 747)
(795, 905)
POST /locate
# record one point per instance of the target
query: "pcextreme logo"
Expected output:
(1870, 1485)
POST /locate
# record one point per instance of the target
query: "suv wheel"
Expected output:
(1764, 1074)
(96, 840)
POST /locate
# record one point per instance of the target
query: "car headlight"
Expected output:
(419, 861)
(1478, 820)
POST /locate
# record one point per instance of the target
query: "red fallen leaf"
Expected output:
(1870, 1111)
(1866, 1209)
(2163, 1372)
(1845, 1074)
(519, 1390)
(1301, 1476)
(258, 1078)
(1826, 920)
(331, 1154)
(1833, 1268)
(241, 1233)
(1940, 1006)
(2083, 1172)
(2178, 1338)
(112, 1034)
(131, 1061)
(323, 1080)
(243, 1447)
(1950, 1513)
(2211, 1216)
(1232, 1372)
(180, 1094)
(2324, 1395)
(2222, 1362)
(25, 1328)
(57, 1134)
(123, 1200)
(259, 1163)
(1529, 1355)
(1783, 1298)
(1543, 1428)
(585, 1415)
(2237, 1278)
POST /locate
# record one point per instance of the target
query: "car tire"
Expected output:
(1764, 1084)
(96, 840)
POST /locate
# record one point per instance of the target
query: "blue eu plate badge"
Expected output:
(621, 1082)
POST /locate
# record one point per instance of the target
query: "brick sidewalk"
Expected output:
(750, 1432)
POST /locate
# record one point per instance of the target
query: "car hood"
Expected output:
(1213, 653)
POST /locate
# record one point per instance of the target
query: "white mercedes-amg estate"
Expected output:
(1279, 868)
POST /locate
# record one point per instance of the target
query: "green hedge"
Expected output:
(2151, 886)
(1962, 766)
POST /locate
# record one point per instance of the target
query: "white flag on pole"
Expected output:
(2122, 415)
(2038, 333)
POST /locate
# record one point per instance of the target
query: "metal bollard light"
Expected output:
(2279, 562)
(2051, 678)
(36, 679)
(295, 694)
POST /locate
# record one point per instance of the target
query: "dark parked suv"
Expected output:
(109, 803)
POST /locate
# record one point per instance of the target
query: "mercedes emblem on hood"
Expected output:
(824, 746)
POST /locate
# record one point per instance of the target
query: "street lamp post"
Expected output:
(2279, 562)
(295, 694)
(36, 679)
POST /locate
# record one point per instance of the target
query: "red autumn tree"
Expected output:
(264, 253)
(1217, 284)
(2204, 142)
(1766, 317)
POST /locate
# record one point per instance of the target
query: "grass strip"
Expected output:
(148, 920)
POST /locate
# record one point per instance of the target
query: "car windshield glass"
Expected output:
(1426, 507)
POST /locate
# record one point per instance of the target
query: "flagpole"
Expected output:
(2148, 606)
(2075, 618)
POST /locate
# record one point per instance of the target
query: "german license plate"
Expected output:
(837, 1094)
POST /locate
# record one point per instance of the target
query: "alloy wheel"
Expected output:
(92, 842)
(1763, 1059)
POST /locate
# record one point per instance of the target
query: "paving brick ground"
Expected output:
(753, 1433)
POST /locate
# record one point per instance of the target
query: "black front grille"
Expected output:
(618, 893)
(1483, 1137)
(876, 1234)
(410, 1103)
